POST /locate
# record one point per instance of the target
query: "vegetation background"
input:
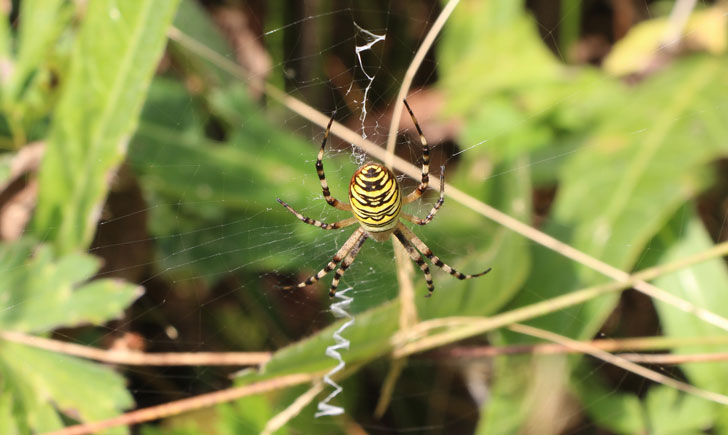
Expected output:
(144, 144)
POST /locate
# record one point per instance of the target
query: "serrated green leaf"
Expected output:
(702, 285)
(40, 293)
(506, 409)
(31, 412)
(71, 384)
(114, 58)
(96, 303)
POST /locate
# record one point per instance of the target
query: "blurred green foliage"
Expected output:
(104, 68)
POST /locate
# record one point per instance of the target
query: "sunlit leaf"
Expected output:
(636, 52)
(114, 57)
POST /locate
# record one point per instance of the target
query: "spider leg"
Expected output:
(323, 225)
(435, 209)
(352, 241)
(322, 177)
(422, 247)
(345, 265)
(417, 258)
(425, 162)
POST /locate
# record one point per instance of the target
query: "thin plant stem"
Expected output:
(180, 406)
(672, 359)
(620, 362)
(676, 23)
(293, 409)
(409, 75)
(140, 358)
(607, 344)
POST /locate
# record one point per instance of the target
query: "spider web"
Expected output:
(210, 267)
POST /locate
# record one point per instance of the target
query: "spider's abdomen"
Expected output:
(375, 198)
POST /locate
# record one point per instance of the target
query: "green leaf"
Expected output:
(491, 46)
(42, 294)
(369, 336)
(671, 412)
(635, 156)
(207, 219)
(39, 293)
(71, 384)
(247, 415)
(468, 242)
(41, 22)
(195, 23)
(610, 409)
(8, 424)
(510, 107)
(113, 61)
(702, 285)
(527, 396)
(27, 92)
(197, 184)
(706, 29)
(30, 410)
(641, 155)
(6, 161)
(5, 36)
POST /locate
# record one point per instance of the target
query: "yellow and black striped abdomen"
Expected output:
(375, 198)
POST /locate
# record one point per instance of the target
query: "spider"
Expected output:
(376, 203)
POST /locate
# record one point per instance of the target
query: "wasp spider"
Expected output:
(376, 203)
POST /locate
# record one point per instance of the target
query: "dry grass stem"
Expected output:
(620, 362)
(140, 358)
(180, 406)
(607, 344)
(409, 75)
(415, 339)
(672, 359)
(293, 409)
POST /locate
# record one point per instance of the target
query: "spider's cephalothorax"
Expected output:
(375, 200)
(376, 203)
